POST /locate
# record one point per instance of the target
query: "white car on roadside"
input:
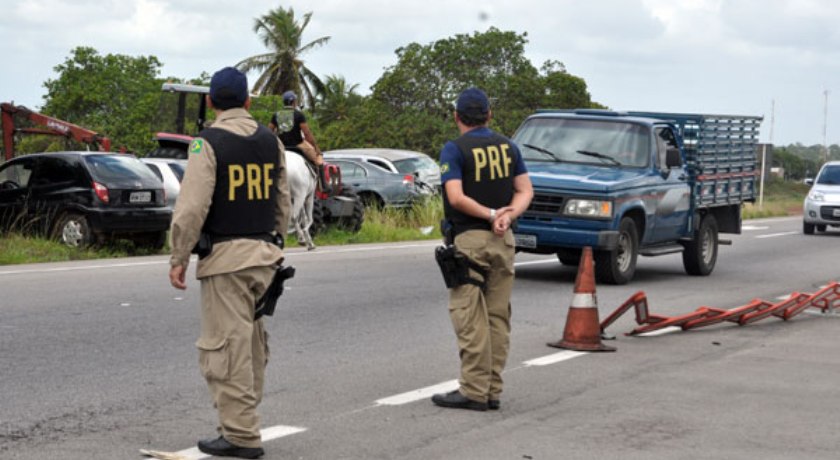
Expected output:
(822, 205)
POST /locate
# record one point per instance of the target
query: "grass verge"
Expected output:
(421, 222)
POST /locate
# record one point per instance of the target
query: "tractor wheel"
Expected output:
(354, 221)
(319, 219)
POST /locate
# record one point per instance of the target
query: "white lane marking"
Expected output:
(535, 262)
(416, 395)
(81, 267)
(754, 227)
(773, 235)
(554, 358)
(663, 331)
(267, 434)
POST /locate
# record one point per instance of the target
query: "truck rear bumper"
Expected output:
(546, 240)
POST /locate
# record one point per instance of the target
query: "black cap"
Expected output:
(473, 102)
(228, 89)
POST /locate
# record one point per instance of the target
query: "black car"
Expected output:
(82, 198)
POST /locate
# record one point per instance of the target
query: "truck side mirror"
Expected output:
(673, 158)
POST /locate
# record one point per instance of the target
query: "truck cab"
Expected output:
(625, 184)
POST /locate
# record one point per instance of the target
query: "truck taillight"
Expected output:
(101, 192)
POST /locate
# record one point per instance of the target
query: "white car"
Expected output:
(170, 172)
(424, 169)
(822, 205)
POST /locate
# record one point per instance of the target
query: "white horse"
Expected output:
(302, 184)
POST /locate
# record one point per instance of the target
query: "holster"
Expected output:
(268, 302)
(204, 246)
(455, 268)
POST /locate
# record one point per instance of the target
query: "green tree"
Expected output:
(412, 103)
(115, 95)
(337, 99)
(282, 68)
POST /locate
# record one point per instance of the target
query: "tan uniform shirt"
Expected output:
(195, 198)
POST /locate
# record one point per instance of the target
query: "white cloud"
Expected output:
(689, 55)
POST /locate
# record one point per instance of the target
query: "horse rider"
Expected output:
(290, 125)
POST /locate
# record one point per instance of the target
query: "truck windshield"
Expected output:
(604, 142)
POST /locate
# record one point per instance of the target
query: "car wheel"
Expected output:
(619, 265)
(700, 254)
(372, 200)
(807, 228)
(73, 230)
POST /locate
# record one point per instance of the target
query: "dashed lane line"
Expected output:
(774, 235)
(267, 434)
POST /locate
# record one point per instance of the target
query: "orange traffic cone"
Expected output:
(583, 330)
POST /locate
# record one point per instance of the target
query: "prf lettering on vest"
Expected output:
(493, 158)
(258, 180)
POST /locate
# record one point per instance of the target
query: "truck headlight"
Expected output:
(588, 208)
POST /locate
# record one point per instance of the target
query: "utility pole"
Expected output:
(825, 128)
(764, 155)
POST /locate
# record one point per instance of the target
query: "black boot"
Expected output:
(322, 180)
(220, 447)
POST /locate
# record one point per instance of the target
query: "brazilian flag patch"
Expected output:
(444, 168)
(195, 145)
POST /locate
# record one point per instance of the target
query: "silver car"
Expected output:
(170, 172)
(822, 205)
(376, 186)
(425, 170)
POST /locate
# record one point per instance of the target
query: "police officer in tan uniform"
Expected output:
(485, 187)
(235, 195)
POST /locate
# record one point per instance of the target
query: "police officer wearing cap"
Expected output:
(235, 197)
(485, 187)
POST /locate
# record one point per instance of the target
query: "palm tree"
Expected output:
(282, 69)
(337, 99)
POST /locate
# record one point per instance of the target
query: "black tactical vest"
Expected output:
(246, 183)
(486, 176)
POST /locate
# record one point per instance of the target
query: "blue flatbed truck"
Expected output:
(635, 183)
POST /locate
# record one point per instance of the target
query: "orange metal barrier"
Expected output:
(825, 299)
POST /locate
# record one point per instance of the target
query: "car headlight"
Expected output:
(816, 196)
(588, 208)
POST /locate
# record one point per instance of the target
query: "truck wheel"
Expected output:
(570, 257)
(354, 221)
(807, 228)
(619, 265)
(700, 254)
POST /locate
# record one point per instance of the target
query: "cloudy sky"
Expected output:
(775, 58)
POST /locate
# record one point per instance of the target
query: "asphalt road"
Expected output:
(97, 361)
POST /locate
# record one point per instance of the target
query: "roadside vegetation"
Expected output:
(422, 222)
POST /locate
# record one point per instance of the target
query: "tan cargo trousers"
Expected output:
(482, 318)
(233, 350)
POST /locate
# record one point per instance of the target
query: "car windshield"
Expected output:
(830, 175)
(118, 168)
(410, 165)
(584, 141)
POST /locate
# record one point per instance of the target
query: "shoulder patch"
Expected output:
(444, 168)
(196, 145)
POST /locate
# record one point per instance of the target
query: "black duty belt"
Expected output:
(267, 237)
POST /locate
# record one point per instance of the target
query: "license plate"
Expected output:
(140, 197)
(836, 212)
(525, 241)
